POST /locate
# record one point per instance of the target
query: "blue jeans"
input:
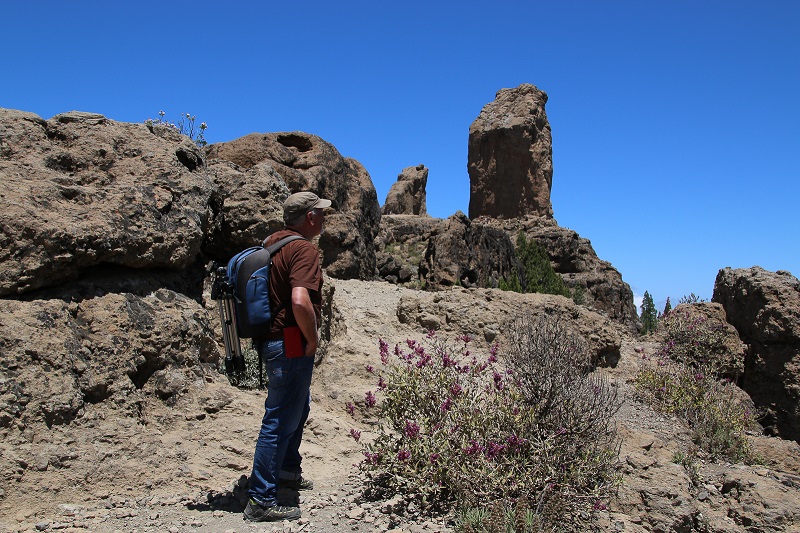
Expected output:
(285, 411)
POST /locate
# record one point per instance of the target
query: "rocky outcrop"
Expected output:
(510, 157)
(248, 206)
(307, 162)
(441, 253)
(407, 194)
(488, 313)
(401, 246)
(574, 259)
(467, 254)
(764, 307)
(61, 355)
(80, 190)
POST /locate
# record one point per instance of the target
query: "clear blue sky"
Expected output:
(676, 125)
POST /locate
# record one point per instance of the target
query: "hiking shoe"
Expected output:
(300, 483)
(255, 512)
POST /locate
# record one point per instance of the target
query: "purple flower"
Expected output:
(351, 408)
(474, 448)
(381, 383)
(434, 458)
(371, 458)
(384, 348)
(370, 369)
(369, 399)
(466, 339)
(403, 455)
(455, 389)
(423, 360)
(356, 434)
(515, 442)
(446, 405)
(498, 381)
(411, 430)
(599, 506)
(494, 449)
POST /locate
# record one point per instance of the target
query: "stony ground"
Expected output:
(181, 468)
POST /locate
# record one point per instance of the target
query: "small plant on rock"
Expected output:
(185, 126)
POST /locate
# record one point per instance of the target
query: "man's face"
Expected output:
(317, 220)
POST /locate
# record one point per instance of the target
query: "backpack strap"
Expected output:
(278, 245)
(271, 250)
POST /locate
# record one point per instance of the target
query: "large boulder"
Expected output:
(466, 253)
(487, 314)
(80, 190)
(59, 355)
(248, 206)
(401, 245)
(764, 307)
(307, 162)
(510, 156)
(407, 194)
(441, 253)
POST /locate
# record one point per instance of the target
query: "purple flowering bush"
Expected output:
(690, 337)
(690, 377)
(459, 430)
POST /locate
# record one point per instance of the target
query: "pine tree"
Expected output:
(649, 317)
(538, 274)
(667, 307)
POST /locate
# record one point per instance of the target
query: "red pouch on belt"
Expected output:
(293, 342)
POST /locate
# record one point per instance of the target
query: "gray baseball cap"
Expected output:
(301, 203)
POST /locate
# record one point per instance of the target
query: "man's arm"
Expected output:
(303, 312)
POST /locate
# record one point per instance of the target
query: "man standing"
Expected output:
(288, 353)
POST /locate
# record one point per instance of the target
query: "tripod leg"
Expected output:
(226, 337)
(236, 347)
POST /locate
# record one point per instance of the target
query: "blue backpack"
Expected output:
(248, 272)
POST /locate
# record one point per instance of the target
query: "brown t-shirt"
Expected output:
(294, 265)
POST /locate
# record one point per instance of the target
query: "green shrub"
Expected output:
(460, 432)
(717, 420)
(515, 518)
(537, 274)
(690, 299)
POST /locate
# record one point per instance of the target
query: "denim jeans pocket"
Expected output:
(272, 354)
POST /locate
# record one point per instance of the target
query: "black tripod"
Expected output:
(222, 291)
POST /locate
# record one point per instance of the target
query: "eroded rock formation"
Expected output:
(574, 259)
(488, 313)
(441, 253)
(80, 190)
(307, 162)
(510, 157)
(407, 194)
(764, 307)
